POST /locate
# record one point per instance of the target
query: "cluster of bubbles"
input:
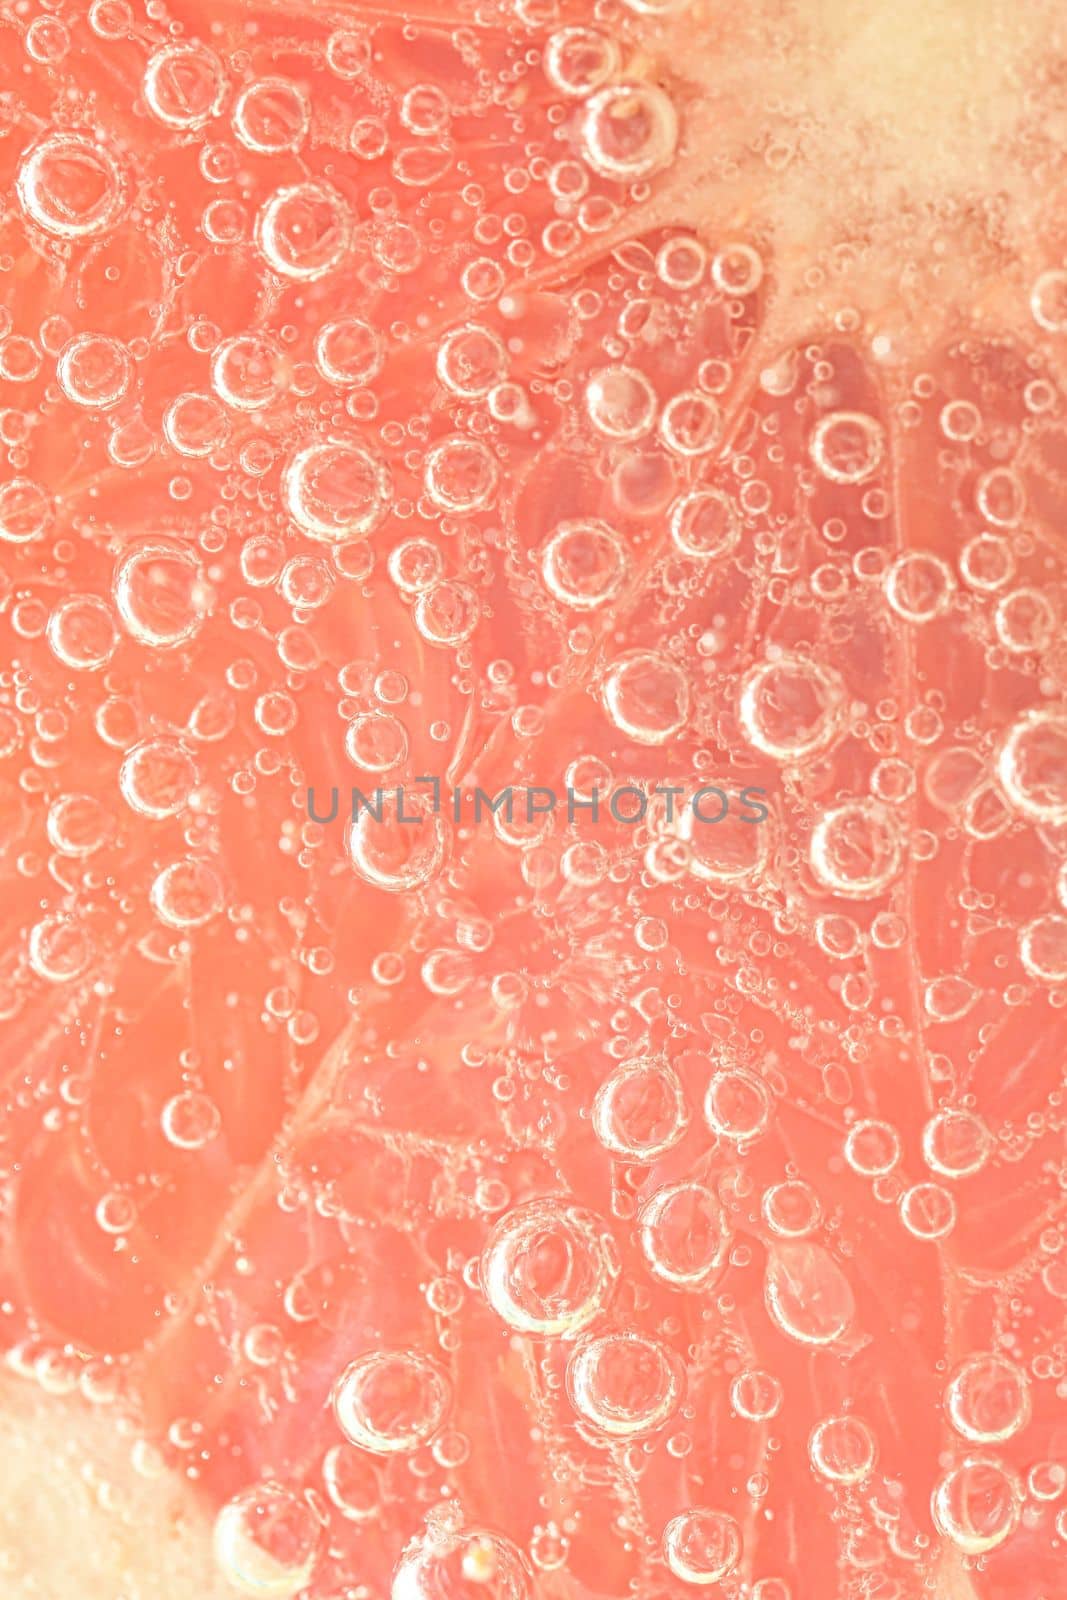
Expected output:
(520, 508)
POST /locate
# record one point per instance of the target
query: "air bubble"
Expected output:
(580, 60)
(956, 1144)
(190, 1120)
(737, 269)
(425, 110)
(656, 8)
(195, 425)
(690, 423)
(756, 1395)
(157, 777)
(471, 360)
(184, 85)
(684, 1236)
(376, 741)
(368, 138)
(351, 1482)
(448, 614)
(737, 1105)
(621, 403)
(20, 359)
(160, 593)
(78, 825)
(391, 1401)
(702, 1547)
(1048, 301)
(303, 231)
(928, 1211)
(187, 894)
(59, 950)
(398, 856)
(47, 40)
(248, 371)
(416, 565)
(26, 511)
(482, 279)
(94, 370)
(585, 564)
(681, 263)
(70, 187)
(856, 849)
(919, 586)
(624, 1384)
(1047, 1480)
(1032, 766)
(82, 633)
(451, 1562)
(629, 131)
(842, 1449)
(349, 351)
(336, 490)
(988, 1399)
(791, 708)
(977, 1504)
(272, 115)
(266, 1542)
(549, 1268)
(960, 420)
(848, 446)
(1025, 620)
(461, 475)
(704, 524)
(348, 53)
(719, 847)
(1000, 497)
(1043, 948)
(791, 1209)
(647, 696)
(115, 1213)
(639, 1112)
(806, 1293)
(872, 1148)
(263, 1344)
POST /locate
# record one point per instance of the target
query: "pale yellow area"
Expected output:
(77, 1522)
(908, 148)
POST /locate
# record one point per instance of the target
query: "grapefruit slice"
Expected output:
(535, 774)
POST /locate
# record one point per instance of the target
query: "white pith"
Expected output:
(906, 150)
(78, 1519)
